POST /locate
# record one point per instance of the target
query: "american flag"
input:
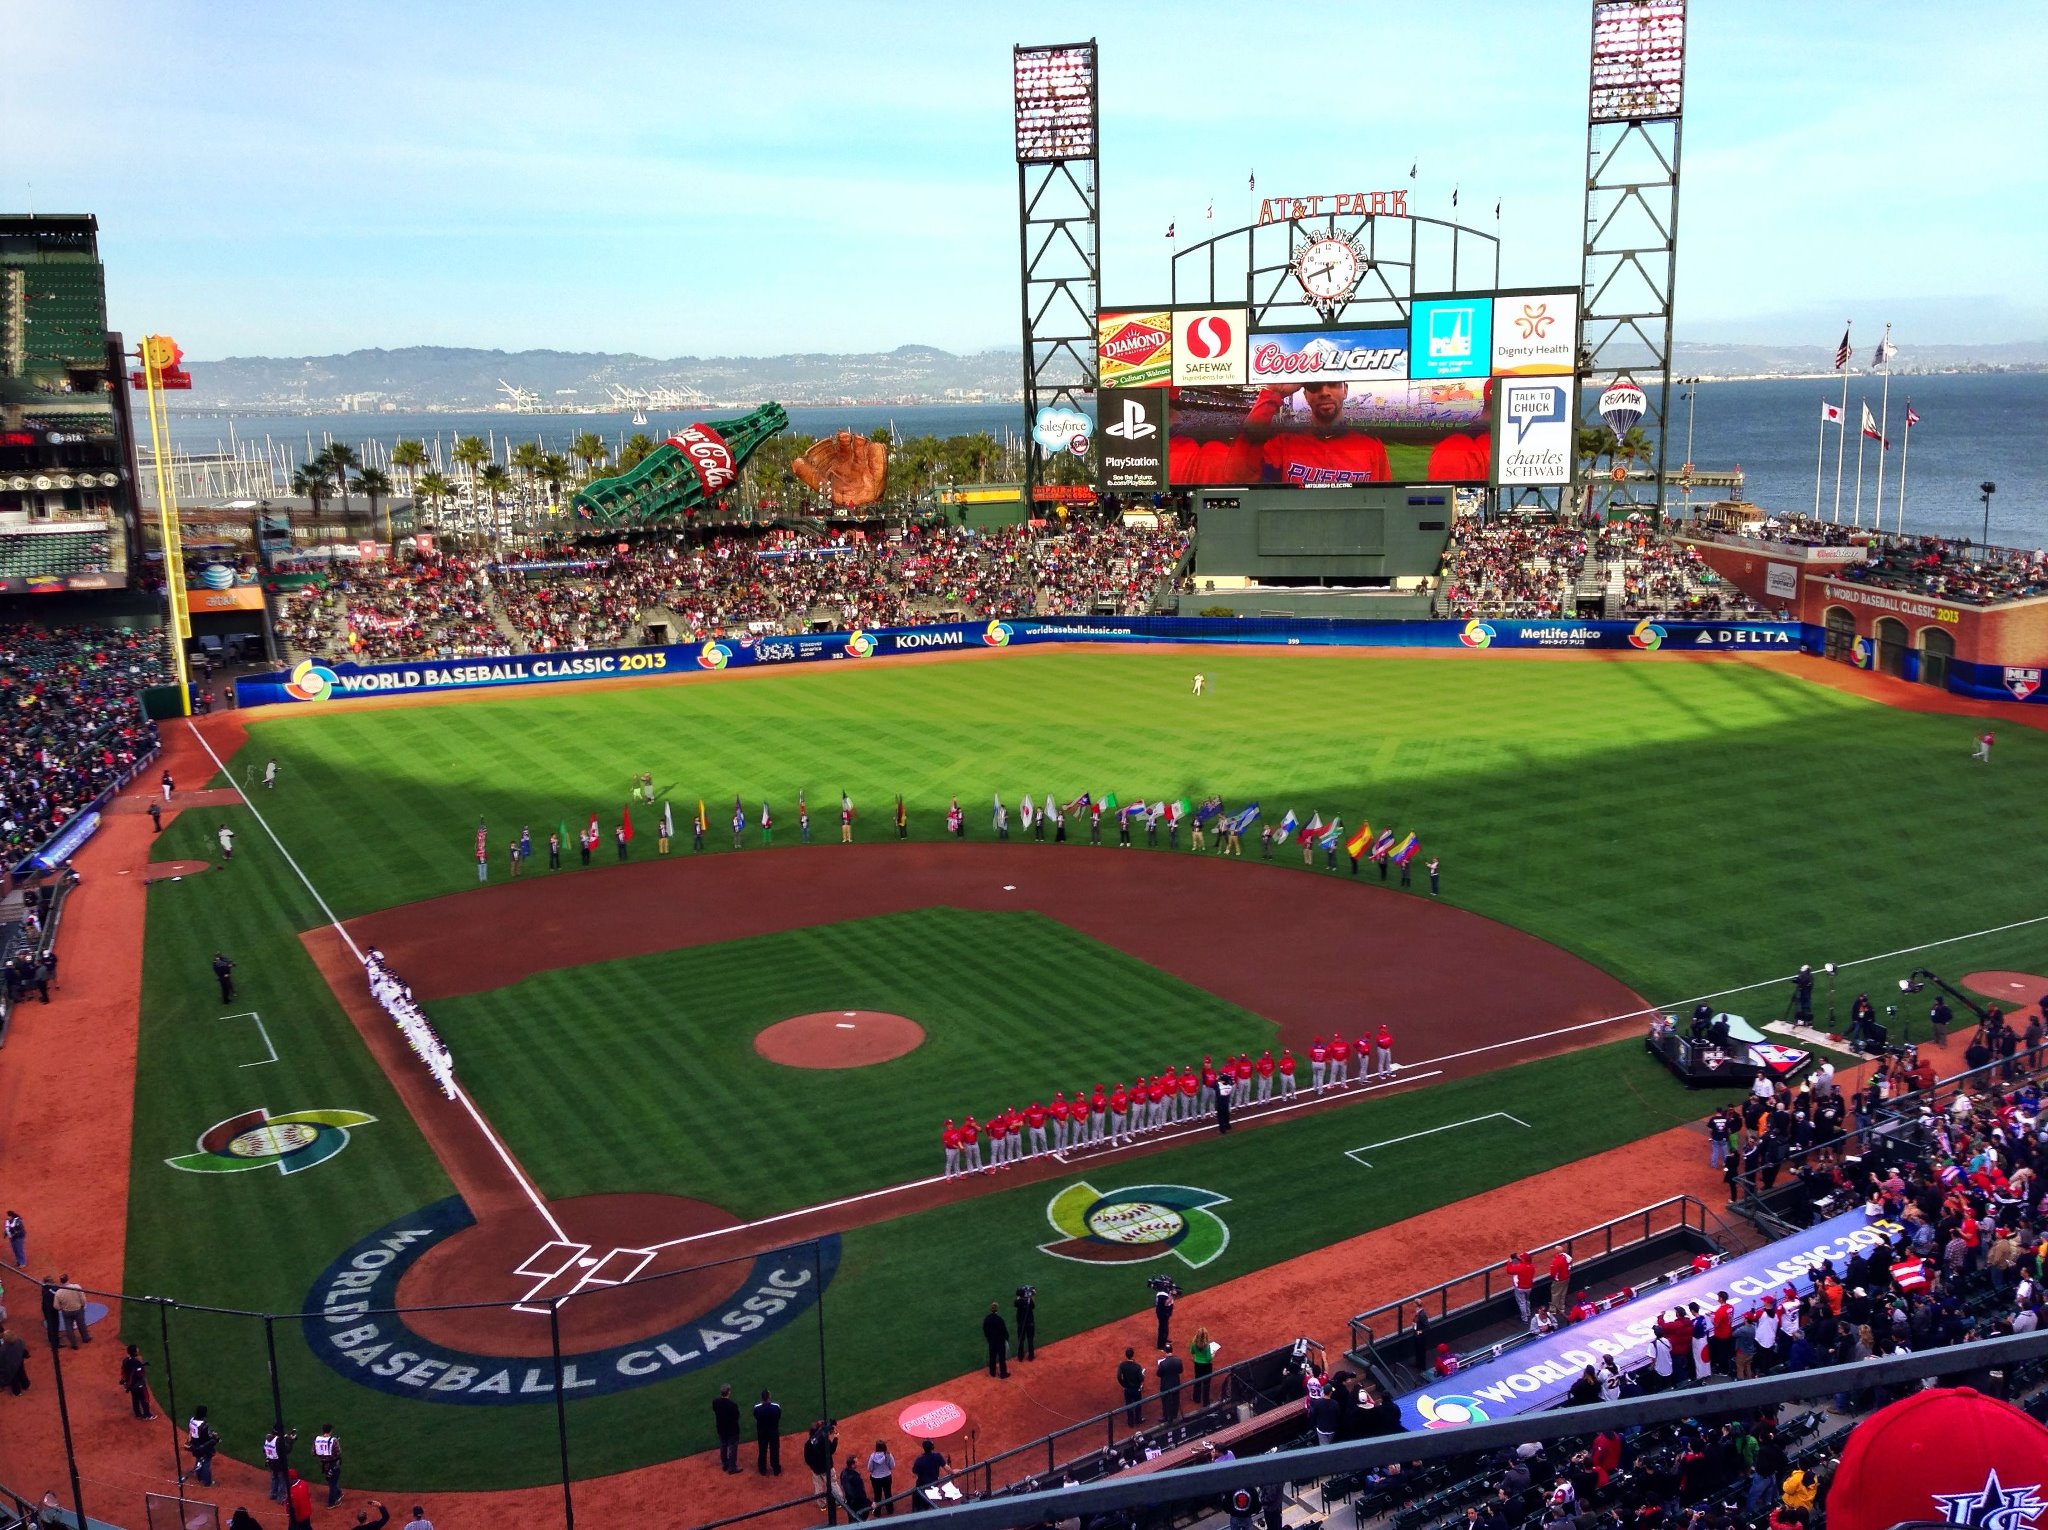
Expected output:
(1912, 419)
(1842, 351)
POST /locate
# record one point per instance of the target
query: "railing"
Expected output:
(1475, 1289)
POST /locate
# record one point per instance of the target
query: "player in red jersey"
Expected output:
(1383, 1049)
(1190, 1093)
(1098, 1115)
(1171, 1111)
(1340, 1062)
(1034, 1119)
(1363, 1046)
(1286, 1071)
(1241, 1096)
(1327, 452)
(1060, 1116)
(970, 1146)
(951, 1138)
(1155, 1099)
(1464, 458)
(1319, 1064)
(1208, 1095)
(1265, 1068)
(1119, 1113)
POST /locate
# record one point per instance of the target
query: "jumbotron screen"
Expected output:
(1475, 388)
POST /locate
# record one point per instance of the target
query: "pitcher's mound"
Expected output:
(2008, 988)
(839, 1038)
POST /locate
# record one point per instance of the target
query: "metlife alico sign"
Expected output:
(1132, 440)
(1330, 355)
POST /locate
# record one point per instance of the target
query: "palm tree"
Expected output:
(639, 446)
(377, 486)
(588, 448)
(409, 457)
(471, 453)
(554, 472)
(526, 457)
(494, 480)
(433, 487)
(311, 483)
(340, 457)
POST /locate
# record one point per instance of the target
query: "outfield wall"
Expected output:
(312, 680)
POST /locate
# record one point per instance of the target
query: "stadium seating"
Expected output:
(85, 551)
(1534, 569)
(1941, 568)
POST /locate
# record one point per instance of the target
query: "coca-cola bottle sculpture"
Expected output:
(693, 467)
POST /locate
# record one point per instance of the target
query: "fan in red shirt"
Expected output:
(1521, 1273)
(1327, 452)
(1560, 1282)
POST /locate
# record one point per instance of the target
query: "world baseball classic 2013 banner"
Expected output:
(320, 680)
(1537, 1374)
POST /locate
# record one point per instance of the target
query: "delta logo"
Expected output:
(859, 645)
(997, 634)
(1135, 1224)
(1647, 636)
(309, 682)
(1451, 1411)
(714, 655)
(1477, 635)
(291, 1143)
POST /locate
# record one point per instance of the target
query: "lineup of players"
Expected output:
(1117, 1115)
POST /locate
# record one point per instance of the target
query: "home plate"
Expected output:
(586, 1264)
(1009, 887)
(843, 1026)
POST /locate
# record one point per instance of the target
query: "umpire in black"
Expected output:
(225, 971)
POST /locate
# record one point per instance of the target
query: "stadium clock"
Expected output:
(1328, 270)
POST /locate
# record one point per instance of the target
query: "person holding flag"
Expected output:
(739, 823)
(587, 841)
(483, 849)
(956, 825)
(1358, 845)
(902, 819)
(555, 848)
(1308, 837)
(845, 818)
(803, 818)
(1382, 848)
(1329, 843)
(1095, 820)
(767, 826)
(1027, 813)
(1001, 818)
(624, 832)
(697, 827)
(666, 830)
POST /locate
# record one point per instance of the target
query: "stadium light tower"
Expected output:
(1058, 225)
(1629, 261)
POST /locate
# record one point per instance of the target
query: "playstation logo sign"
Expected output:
(1132, 445)
(1134, 426)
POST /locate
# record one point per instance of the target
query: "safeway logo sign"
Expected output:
(1210, 346)
(1133, 426)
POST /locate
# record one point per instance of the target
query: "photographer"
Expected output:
(1026, 1308)
(1802, 995)
(1164, 1294)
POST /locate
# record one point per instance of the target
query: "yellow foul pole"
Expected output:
(157, 353)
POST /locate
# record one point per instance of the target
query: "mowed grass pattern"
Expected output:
(652, 1081)
(1683, 825)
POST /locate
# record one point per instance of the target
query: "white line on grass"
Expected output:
(461, 1095)
(1498, 1115)
(268, 1045)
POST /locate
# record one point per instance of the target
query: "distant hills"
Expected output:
(448, 377)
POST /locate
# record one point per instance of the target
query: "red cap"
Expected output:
(1948, 1454)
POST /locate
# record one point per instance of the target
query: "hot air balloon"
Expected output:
(1621, 406)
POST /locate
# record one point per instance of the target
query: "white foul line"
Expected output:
(461, 1095)
(1498, 1115)
(268, 1046)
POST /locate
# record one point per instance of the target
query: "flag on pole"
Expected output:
(1289, 823)
(1360, 842)
(1912, 419)
(1080, 802)
(1384, 843)
(1132, 810)
(1211, 213)
(668, 820)
(591, 833)
(1885, 349)
(1245, 818)
(703, 820)
(767, 818)
(1329, 836)
(1315, 824)
(1251, 181)
(1404, 852)
(1454, 196)
(1412, 169)
(1027, 810)
(1210, 808)
(1496, 209)
(1051, 808)
(1842, 352)
(1830, 414)
(1870, 431)
(562, 832)
(482, 841)
(1108, 800)
(626, 825)
(1169, 230)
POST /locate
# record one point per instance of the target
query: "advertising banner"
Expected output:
(1134, 350)
(1451, 337)
(314, 680)
(1209, 345)
(241, 598)
(1330, 355)
(1535, 434)
(1329, 432)
(1534, 334)
(1781, 581)
(1133, 447)
(1538, 1373)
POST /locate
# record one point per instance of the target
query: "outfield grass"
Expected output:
(654, 1081)
(1689, 827)
(1681, 825)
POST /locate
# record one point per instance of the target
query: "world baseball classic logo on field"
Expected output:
(996, 634)
(1136, 1223)
(1476, 635)
(1646, 635)
(309, 681)
(255, 1139)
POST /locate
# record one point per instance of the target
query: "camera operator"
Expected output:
(1802, 995)
(1863, 1028)
(1164, 1294)
(1025, 1334)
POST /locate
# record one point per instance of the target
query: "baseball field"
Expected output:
(1613, 834)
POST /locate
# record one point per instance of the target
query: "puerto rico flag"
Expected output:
(1912, 418)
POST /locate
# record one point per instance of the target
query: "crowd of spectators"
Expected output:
(1524, 568)
(558, 598)
(71, 699)
(1938, 568)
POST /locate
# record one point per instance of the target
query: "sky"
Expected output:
(694, 179)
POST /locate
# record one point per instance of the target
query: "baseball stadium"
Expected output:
(1535, 997)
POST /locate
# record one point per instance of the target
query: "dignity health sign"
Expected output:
(1536, 1375)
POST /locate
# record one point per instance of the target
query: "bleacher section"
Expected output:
(87, 549)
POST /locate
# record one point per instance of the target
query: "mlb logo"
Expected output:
(1450, 334)
(2022, 682)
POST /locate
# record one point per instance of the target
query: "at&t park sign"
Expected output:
(1392, 204)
